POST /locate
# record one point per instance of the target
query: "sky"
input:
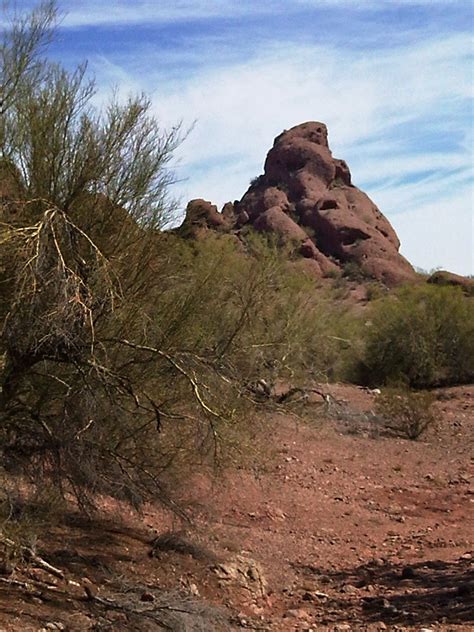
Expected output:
(392, 79)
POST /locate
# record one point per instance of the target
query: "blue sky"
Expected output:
(392, 79)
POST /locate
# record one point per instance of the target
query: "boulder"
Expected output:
(201, 215)
(442, 277)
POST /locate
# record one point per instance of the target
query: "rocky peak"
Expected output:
(307, 197)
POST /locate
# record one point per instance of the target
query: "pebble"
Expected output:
(194, 590)
(299, 613)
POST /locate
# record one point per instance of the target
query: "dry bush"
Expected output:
(86, 191)
(126, 353)
(408, 412)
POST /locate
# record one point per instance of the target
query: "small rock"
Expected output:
(299, 613)
(378, 561)
(193, 589)
(466, 556)
(256, 610)
(89, 588)
(349, 588)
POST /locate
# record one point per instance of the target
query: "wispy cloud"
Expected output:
(383, 115)
(123, 12)
(93, 13)
(391, 78)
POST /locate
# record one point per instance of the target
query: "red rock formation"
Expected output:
(442, 277)
(306, 196)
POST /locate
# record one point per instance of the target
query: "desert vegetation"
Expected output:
(422, 335)
(126, 348)
(123, 347)
(128, 353)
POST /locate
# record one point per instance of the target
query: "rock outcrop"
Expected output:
(442, 277)
(306, 197)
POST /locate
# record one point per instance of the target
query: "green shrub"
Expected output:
(423, 335)
(251, 312)
(353, 271)
(409, 413)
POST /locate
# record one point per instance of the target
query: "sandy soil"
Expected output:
(339, 526)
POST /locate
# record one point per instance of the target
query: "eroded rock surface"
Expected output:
(306, 197)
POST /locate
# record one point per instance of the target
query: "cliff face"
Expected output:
(306, 196)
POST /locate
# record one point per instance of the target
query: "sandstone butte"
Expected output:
(306, 197)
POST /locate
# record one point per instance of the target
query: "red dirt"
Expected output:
(353, 529)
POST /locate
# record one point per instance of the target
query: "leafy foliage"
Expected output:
(423, 335)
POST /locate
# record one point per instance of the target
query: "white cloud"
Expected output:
(94, 13)
(439, 234)
(381, 107)
(127, 12)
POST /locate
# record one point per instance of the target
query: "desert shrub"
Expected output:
(375, 290)
(351, 270)
(333, 273)
(255, 181)
(408, 412)
(86, 191)
(423, 335)
(250, 312)
(125, 352)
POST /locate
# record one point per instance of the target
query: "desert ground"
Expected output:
(335, 523)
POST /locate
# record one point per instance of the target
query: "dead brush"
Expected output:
(409, 413)
(62, 279)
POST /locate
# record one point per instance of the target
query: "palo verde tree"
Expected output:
(83, 192)
(123, 349)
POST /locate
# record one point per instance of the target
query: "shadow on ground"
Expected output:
(422, 593)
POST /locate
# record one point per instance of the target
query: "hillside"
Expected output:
(316, 533)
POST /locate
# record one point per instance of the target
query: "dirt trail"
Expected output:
(339, 528)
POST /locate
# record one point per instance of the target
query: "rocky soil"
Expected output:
(339, 524)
